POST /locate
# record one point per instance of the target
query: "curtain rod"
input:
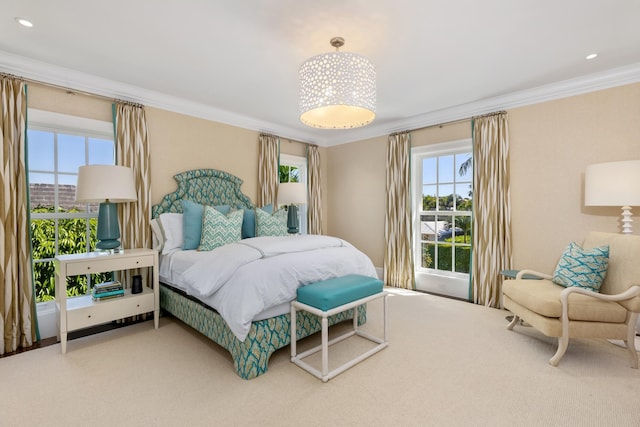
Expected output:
(440, 125)
(286, 139)
(68, 90)
(453, 122)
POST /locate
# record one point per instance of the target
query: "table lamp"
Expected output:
(107, 185)
(292, 194)
(614, 184)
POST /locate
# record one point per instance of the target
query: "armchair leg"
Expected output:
(563, 343)
(630, 342)
(513, 322)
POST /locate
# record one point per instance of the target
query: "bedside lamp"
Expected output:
(614, 184)
(107, 185)
(292, 194)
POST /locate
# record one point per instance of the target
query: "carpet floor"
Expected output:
(449, 363)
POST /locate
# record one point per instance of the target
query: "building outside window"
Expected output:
(57, 145)
(443, 201)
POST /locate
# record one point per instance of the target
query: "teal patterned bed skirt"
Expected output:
(250, 358)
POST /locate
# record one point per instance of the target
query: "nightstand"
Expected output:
(82, 312)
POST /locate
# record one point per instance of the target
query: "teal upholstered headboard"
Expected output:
(205, 186)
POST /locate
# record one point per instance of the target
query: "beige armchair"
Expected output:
(575, 312)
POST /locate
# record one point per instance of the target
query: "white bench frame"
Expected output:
(325, 375)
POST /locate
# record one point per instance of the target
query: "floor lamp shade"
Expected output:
(107, 185)
(614, 184)
(292, 194)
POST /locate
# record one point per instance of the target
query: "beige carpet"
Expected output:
(449, 364)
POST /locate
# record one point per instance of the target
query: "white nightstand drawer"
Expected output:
(112, 264)
(84, 312)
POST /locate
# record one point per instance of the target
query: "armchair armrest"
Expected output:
(633, 291)
(521, 274)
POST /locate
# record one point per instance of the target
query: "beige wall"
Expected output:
(551, 145)
(357, 183)
(178, 142)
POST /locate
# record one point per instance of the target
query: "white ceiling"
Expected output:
(236, 62)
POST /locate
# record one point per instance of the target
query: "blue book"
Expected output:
(101, 295)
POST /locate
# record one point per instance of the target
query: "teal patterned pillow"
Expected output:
(271, 225)
(192, 222)
(585, 268)
(219, 229)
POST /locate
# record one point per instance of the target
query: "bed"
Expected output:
(201, 306)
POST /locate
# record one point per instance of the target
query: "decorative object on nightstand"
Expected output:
(614, 184)
(136, 284)
(292, 194)
(107, 185)
(107, 290)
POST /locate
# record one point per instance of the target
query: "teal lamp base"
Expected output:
(108, 231)
(292, 220)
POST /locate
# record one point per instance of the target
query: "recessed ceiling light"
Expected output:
(24, 22)
(591, 56)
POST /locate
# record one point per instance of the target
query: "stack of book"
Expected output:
(107, 290)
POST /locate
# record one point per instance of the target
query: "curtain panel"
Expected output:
(492, 247)
(132, 150)
(314, 216)
(18, 321)
(398, 258)
(268, 162)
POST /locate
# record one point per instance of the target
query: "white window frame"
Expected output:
(300, 163)
(444, 282)
(57, 123)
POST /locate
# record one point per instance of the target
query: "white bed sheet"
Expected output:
(264, 286)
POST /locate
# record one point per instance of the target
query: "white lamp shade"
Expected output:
(613, 184)
(97, 183)
(292, 193)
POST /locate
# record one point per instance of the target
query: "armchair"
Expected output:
(575, 312)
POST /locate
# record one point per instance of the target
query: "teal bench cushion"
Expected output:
(332, 293)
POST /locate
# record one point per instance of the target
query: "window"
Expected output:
(294, 169)
(56, 146)
(443, 200)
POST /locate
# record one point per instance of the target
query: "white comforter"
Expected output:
(243, 279)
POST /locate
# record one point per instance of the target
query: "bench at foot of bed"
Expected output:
(251, 356)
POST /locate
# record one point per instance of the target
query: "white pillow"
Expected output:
(157, 238)
(171, 224)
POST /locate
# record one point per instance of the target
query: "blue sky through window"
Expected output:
(445, 170)
(73, 151)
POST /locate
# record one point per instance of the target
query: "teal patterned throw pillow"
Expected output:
(219, 229)
(271, 225)
(585, 268)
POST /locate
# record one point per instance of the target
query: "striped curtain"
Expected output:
(18, 321)
(492, 251)
(132, 150)
(269, 147)
(398, 259)
(314, 216)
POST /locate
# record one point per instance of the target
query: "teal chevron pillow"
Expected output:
(249, 221)
(192, 222)
(585, 268)
(219, 229)
(271, 224)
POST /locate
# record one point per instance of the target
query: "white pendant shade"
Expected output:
(337, 90)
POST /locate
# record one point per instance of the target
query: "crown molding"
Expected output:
(563, 89)
(67, 78)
